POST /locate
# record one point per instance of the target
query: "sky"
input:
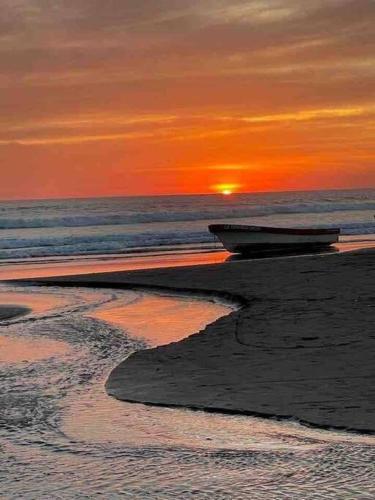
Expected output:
(130, 97)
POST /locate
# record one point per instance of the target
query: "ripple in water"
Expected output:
(61, 436)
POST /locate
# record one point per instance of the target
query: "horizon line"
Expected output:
(73, 197)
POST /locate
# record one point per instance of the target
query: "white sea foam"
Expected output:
(150, 215)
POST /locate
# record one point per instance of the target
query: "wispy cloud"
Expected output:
(216, 81)
(87, 121)
(183, 127)
(310, 114)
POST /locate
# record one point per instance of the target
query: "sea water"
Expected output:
(106, 226)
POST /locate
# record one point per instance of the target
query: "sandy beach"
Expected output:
(300, 346)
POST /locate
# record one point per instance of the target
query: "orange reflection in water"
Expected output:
(100, 264)
(18, 350)
(162, 319)
(38, 302)
(107, 264)
(25, 349)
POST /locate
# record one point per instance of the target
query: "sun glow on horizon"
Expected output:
(226, 189)
(226, 192)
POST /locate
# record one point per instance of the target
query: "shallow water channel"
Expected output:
(62, 436)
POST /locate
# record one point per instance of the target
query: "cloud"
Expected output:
(170, 73)
(164, 127)
(59, 37)
(311, 114)
(88, 56)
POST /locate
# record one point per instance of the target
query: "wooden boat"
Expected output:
(238, 238)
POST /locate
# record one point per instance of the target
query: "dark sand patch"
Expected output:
(302, 345)
(12, 311)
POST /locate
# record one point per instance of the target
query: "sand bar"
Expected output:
(302, 345)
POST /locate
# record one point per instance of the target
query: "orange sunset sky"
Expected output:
(127, 97)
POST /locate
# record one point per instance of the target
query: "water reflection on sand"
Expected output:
(161, 319)
(94, 417)
(15, 350)
(63, 437)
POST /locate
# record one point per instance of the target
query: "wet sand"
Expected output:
(301, 346)
(63, 266)
(10, 311)
(25, 350)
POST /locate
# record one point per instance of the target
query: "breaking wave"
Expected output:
(117, 225)
(237, 210)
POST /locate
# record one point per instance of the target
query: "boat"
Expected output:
(237, 238)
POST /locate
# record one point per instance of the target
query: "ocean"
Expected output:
(123, 225)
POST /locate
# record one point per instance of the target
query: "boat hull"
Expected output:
(247, 239)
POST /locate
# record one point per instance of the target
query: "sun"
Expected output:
(226, 189)
(226, 192)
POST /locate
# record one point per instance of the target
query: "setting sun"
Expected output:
(226, 189)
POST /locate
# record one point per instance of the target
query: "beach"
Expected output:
(217, 354)
(300, 346)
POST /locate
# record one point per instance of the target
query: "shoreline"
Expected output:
(250, 413)
(289, 309)
(89, 264)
